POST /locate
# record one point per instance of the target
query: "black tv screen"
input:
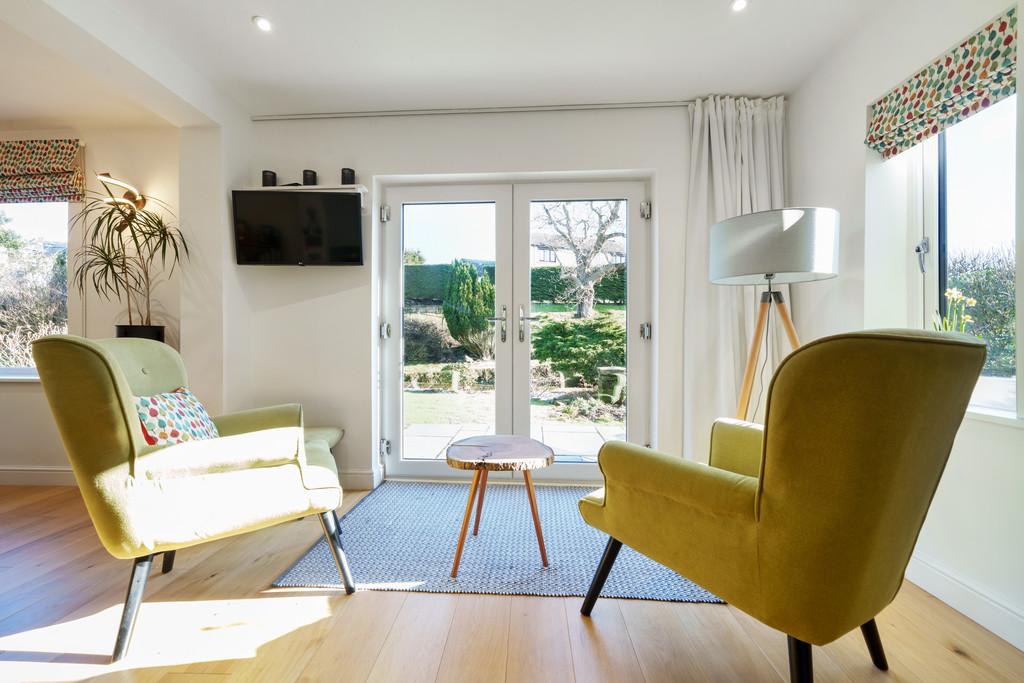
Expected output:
(298, 228)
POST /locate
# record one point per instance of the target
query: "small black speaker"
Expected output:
(308, 177)
(348, 176)
(269, 179)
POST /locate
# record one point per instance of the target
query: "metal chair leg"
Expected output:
(168, 561)
(136, 587)
(801, 664)
(611, 551)
(332, 532)
(874, 643)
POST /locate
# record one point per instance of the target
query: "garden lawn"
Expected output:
(447, 407)
(537, 307)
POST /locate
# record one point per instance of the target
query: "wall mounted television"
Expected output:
(298, 227)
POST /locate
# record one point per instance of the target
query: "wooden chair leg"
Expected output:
(874, 643)
(136, 587)
(168, 562)
(801, 665)
(536, 516)
(611, 551)
(480, 502)
(465, 523)
(332, 532)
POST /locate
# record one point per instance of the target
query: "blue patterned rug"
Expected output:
(402, 536)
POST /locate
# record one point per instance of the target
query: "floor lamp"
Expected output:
(782, 246)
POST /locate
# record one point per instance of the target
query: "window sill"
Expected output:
(995, 417)
(19, 375)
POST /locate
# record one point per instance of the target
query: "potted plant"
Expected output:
(126, 250)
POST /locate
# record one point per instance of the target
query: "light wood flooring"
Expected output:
(215, 619)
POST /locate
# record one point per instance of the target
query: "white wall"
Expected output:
(969, 553)
(30, 451)
(310, 331)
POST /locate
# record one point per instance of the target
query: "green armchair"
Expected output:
(264, 469)
(808, 523)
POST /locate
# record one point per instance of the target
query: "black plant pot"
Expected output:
(154, 332)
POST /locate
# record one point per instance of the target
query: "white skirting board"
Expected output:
(357, 480)
(1001, 620)
(40, 475)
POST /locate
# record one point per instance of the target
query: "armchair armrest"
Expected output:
(736, 446)
(286, 415)
(262, 448)
(677, 479)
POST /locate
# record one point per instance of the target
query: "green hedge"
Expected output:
(548, 286)
(989, 277)
(426, 283)
(430, 282)
(612, 287)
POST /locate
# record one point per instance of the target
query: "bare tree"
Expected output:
(592, 232)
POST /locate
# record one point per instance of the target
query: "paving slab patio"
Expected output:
(576, 441)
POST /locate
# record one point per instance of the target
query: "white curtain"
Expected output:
(737, 166)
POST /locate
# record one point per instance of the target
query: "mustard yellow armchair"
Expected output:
(807, 524)
(264, 469)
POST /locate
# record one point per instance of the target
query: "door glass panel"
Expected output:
(578, 298)
(448, 389)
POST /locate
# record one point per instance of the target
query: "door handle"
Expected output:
(523, 319)
(503, 319)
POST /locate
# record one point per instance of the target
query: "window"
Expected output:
(546, 255)
(33, 278)
(975, 234)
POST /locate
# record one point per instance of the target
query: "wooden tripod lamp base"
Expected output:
(767, 299)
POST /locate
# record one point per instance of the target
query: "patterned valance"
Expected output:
(977, 73)
(40, 171)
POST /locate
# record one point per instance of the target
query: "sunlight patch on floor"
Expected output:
(166, 634)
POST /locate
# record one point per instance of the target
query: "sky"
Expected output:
(45, 221)
(445, 232)
(980, 179)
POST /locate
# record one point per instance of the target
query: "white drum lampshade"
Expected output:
(781, 246)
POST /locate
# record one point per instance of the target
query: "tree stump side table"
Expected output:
(501, 453)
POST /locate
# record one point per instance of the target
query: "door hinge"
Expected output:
(646, 331)
(385, 448)
(385, 330)
(645, 209)
(922, 248)
(385, 213)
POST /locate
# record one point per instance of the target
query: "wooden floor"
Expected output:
(214, 619)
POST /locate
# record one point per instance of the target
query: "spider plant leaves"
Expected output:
(124, 249)
(111, 274)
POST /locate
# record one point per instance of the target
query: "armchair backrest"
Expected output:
(858, 429)
(90, 387)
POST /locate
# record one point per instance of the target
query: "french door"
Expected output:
(514, 309)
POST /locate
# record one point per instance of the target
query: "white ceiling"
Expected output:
(41, 90)
(371, 55)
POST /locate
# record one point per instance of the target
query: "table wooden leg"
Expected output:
(465, 522)
(480, 501)
(536, 516)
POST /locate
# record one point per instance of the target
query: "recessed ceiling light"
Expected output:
(263, 24)
(738, 5)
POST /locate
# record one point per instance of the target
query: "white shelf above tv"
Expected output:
(361, 189)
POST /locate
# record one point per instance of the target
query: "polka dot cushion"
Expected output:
(174, 417)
